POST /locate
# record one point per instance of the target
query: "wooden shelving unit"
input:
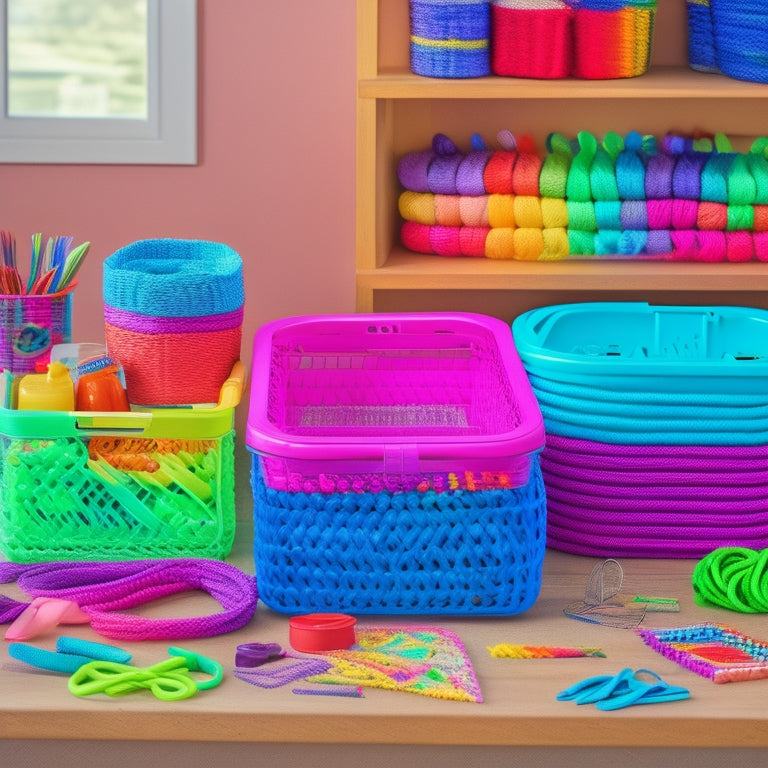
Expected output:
(398, 112)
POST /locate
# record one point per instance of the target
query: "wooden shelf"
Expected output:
(408, 270)
(399, 112)
(660, 82)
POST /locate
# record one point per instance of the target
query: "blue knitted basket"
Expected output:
(450, 38)
(701, 37)
(453, 553)
(741, 38)
(174, 278)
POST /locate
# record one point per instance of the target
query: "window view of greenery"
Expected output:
(77, 58)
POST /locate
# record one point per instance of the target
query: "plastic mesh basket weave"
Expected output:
(394, 402)
(155, 483)
(60, 504)
(467, 552)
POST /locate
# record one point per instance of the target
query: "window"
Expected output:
(98, 81)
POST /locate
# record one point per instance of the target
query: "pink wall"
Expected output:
(275, 173)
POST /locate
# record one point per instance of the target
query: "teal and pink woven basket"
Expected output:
(395, 466)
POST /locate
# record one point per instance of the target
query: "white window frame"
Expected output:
(167, 136)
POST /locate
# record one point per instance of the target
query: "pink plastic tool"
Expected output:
(42, 614)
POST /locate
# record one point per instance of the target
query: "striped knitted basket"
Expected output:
(612, 39)
(173, 313)
(450, 38)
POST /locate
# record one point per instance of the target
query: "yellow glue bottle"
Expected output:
(51, 391)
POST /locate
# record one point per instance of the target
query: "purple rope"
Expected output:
(103, 589)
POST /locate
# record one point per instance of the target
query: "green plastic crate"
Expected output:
(151, 483)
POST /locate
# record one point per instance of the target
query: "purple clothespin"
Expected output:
(256, 654)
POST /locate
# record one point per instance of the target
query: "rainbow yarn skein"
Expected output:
(675, 198)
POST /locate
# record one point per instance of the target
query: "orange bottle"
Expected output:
(99, 387)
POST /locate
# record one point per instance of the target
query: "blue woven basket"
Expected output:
(701, 37)
(168, 277)
(729, 37)
(453, 553)
(450, 38)
(741, 38)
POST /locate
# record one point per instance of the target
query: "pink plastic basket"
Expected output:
(391, 402)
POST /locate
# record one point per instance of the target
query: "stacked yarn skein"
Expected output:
(173, 318)
(680, 198)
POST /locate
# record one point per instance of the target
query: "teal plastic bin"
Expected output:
(639, 347)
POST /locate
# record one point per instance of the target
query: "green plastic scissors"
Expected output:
(170, 680)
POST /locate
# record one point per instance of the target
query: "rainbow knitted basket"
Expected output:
(612, 39)
(594, 39)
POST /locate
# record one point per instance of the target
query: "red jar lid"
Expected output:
(315, 632)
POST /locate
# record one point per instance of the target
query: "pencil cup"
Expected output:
(173, 318)
(30, 326)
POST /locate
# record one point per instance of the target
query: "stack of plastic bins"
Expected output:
(657, 424)
(395, 466)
